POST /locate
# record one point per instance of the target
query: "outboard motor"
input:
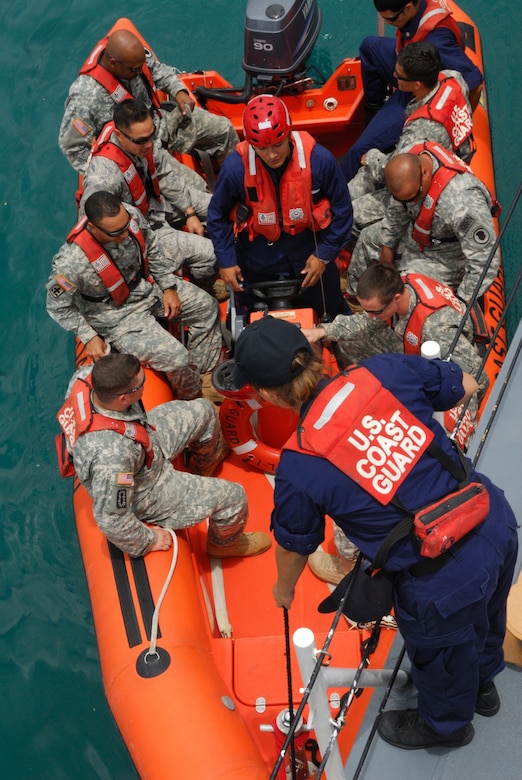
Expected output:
(279, 38)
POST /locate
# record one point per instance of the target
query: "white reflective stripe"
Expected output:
(95, 53)
(443, 153)
(428, 16)
(248, 446)
(115, 286)
(81, 406)
(251, 161)
(425, 287)
(300, 150)
(422, 230)
(141, 199)
(332, 405)
(445, 95)
(253, 403)
(106, 133)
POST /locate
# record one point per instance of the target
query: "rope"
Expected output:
(155, 617)
(289, 684)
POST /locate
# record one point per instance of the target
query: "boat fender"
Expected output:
(236, 423)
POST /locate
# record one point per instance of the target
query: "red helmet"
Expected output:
(266, 121)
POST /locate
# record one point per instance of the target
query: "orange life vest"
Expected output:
(102, 262)
(448, 107)
(449, 166)
(367, 433)
(104, 147)
(77, 417)
(437, 14)
(114, 87)
(291, 208)
(431, 296)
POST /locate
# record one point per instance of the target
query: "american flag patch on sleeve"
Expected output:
(80, 126)
(124, 478)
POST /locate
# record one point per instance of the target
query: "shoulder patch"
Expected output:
(62, 285)
(80, 126)
(466, 223)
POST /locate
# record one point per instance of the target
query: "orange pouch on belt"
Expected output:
(438, 526)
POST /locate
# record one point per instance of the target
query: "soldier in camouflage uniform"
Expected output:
(80, 301)
(131, 485)
(181, 126)
(144, 178)
(389, 302)
(418, 71)
(459, 241)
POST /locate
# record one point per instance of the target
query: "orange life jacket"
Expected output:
(114, 87)
(77, 417)
(431, 296)
(291, 208)
(449, 166)
(367, 433)
(104, 147)
(437, 14)
(103, 263)
(448, 107)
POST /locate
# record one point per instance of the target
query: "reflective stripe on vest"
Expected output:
(448, 107)
(431, 296)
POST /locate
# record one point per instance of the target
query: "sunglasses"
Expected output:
(139, 141)
(377, 311)
(402, 78)
(395, 16)
(114, 233)
(133, 390)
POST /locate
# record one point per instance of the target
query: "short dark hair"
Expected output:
(101, 204)
(381, 280)
(129, 112)
(113, 374)
(393, 5)
(421, 61)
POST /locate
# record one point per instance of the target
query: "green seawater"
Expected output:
(54, 720)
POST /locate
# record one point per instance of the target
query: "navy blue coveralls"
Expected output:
(261, 260)
(453, 621)
(378, 59)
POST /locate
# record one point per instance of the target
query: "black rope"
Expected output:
(290, 694)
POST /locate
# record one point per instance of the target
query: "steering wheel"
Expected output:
(287, 289)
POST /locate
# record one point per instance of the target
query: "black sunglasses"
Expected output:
(114, 233)
(133, 390)
(402, 78)
(395, 16)
(140, 141)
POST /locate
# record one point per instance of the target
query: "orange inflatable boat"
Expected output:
(198, 690)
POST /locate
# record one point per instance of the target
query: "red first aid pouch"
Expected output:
(442, 524)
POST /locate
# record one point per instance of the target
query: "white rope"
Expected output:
(155, 617)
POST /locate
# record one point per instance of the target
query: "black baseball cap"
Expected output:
(264, 353)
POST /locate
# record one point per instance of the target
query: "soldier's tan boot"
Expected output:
(245, 546)
(330, 568)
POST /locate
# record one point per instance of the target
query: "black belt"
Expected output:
(451, 240)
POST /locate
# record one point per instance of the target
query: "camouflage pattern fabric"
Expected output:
(133, 327)
(182, 248)
(463, 235)
(89, 106)
(126, 493)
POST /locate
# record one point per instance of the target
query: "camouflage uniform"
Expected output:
(182, 248)
(126, 493)
(359, 337)
(463, 235)
(367, 189)
(89, 102)
(133, 327)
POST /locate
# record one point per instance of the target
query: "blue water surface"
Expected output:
(54, 720)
